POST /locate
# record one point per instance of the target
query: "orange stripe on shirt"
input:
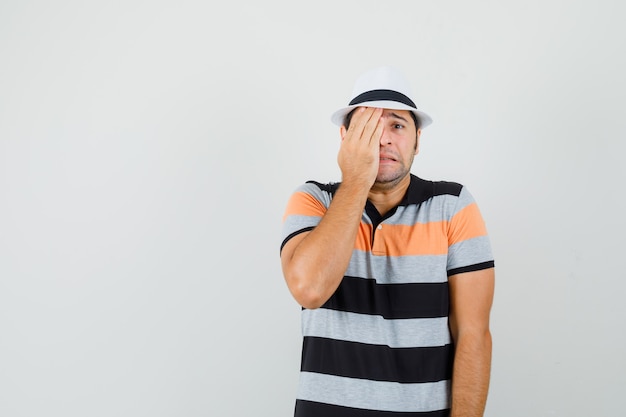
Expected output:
(303, 204)
(468, 223)
(403, 240)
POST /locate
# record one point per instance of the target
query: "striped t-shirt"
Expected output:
(381, 346)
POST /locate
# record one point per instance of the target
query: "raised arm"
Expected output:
(314, 262)
(471, 295)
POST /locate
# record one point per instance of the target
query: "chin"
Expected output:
(390, 177)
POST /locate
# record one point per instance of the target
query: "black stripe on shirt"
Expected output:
(294, 234)
(376, 362)
(306, 408)
(391, 301)
(472, 268)
(419, 190)
(330, 188)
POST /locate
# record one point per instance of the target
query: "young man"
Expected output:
(394, 273)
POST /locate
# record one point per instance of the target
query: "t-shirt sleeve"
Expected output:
(305, 209)
(469, 247)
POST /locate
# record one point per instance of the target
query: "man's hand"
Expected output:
(315, 262)
(358, 156)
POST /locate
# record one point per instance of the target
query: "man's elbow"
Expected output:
(479, 343)
(479, 337)
(306, 296)
(305, 293)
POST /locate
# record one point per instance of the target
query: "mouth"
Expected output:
(387, 158)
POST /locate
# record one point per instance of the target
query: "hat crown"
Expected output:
(382, 78)
(383, 87)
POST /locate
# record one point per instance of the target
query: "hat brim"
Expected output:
(339, 116)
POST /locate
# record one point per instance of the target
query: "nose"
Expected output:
(385, 138)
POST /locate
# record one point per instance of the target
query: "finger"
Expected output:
(372, 125)
(360, 119)
(353, 121)
(378, 133)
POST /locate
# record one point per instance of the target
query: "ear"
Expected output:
(342, 132)
(417, 141)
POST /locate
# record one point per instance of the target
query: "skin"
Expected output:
(375, 158)
(471, 296)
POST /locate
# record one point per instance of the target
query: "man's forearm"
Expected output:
(318, 263)
(471, 373)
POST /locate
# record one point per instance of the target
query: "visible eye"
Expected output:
(398, 126)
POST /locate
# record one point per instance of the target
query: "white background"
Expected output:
(148, 148)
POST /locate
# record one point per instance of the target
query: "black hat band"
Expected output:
(382, 95)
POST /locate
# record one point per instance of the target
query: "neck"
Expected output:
(385, 196)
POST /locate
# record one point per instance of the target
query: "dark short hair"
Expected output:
(348, 118)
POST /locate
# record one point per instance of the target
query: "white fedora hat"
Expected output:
(383, 87)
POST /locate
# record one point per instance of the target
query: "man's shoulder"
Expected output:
(422, 190)
(447, 187)
(419, 189)
(329, 187)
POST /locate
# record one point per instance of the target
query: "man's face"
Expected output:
(398, 146)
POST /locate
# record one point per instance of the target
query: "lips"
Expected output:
(387, 158)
